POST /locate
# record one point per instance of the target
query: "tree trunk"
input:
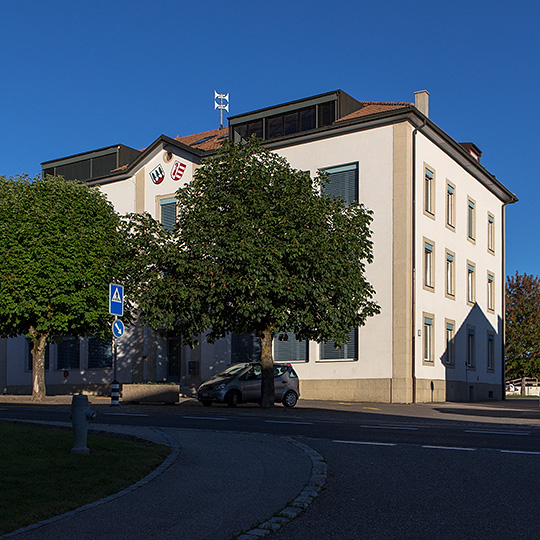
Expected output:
(267, 361)
(38, 364)
(523, 386)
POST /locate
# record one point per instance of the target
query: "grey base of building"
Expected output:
(355, 390)
(399, 391)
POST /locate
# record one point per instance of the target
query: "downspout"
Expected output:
(503, 314)
(413, 295)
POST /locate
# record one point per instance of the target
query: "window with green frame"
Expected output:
(343, 182)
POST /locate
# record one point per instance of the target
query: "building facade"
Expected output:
(438, 270)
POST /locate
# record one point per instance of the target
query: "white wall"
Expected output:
(436, 302)
(373, 150)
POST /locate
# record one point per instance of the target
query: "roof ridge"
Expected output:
(386, 103)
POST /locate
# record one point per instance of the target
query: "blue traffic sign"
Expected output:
(118, 328)
(116, 300)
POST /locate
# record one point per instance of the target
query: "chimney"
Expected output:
(472, 149)
(421, 102)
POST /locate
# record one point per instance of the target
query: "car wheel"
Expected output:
(233, 398)
(290, 399)
(206, 403)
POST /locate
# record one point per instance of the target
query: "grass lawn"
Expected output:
(39, 478)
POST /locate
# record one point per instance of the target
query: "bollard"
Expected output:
(115, 392)
(81, 414)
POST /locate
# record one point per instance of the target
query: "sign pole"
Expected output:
(115, 355)
(116, 308)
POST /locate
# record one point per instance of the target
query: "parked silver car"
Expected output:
(241, 383)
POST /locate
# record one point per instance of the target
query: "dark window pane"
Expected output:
(307, 119)
(290, 122)
(103, 165)
(68, 354)
(274, 127)
(242, 131)
(175, 357)
(292, 350)
(100, 354)
(348, 351)
(327, 113)
(245, 348)
(255, 128)
(75, 171)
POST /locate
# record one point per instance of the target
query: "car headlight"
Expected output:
(220, 386)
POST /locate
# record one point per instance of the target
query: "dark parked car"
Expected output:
(241, 383)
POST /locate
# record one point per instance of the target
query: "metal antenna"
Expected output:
(221, 106)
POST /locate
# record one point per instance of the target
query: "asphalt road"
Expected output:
(342, 427)
(446, 471)
(415, 493)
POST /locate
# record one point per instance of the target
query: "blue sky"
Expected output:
(79, 75)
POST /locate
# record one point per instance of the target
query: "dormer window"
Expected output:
(292, 118)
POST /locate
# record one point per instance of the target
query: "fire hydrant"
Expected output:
(81, 414)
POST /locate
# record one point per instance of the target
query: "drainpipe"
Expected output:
(503, 314)
(413, 296)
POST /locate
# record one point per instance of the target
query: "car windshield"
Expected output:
(233, 370)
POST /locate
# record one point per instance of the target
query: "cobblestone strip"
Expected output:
(300, 503)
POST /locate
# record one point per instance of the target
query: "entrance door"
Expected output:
(175, 360)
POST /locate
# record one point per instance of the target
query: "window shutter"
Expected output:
(292, 350)
(343, 183)
(348, 351)
(168, 213)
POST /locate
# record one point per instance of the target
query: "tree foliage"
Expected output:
(60, 247)
(522, 326)
(259, 247)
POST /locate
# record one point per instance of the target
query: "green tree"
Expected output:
(522, 327)
(60, 246)
(259, 247)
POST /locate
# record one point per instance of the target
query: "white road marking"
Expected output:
(203, 418)
(449, 448)
(519, 452)
(123, 414)
(288, 422)
(366, 443)
(497, 432)
(391, 427)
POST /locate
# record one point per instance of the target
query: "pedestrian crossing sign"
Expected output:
(116, 299)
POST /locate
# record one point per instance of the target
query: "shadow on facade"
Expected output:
(473, 358)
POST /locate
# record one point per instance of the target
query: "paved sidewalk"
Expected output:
(216, 486)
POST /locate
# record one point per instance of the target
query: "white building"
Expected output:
(438, 235)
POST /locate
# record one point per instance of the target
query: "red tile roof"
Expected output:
(213, 139)
(207, 140)
(374, 107)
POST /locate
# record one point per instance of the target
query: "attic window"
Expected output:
(288, 122)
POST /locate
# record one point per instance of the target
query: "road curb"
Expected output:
(302, 501)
